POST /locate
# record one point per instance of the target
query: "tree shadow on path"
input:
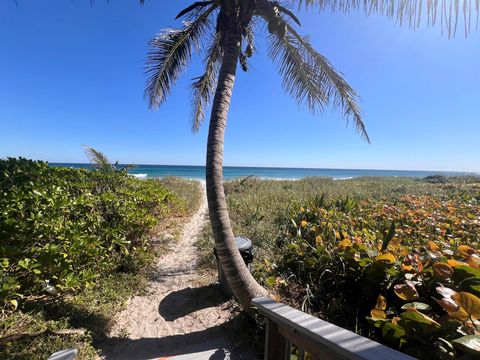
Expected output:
(180, 303)
(215, 342)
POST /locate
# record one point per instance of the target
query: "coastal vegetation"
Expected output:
(392, 259)
(395, 260)
(226, 29)
(75, 244)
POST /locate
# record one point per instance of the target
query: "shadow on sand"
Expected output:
(180, 303)
(214, 343)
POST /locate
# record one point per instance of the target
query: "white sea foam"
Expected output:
(140, 176)
(344, 178)
(277, 178)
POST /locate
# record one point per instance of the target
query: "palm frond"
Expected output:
(195, 5)
(204, 86)
(311, 79)
(98, 160)
(287, 12)
(248, 39)
(125, 168)
(168, 55)
(409, 11)
(299, 76)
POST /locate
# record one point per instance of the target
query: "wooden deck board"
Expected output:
(327, 337)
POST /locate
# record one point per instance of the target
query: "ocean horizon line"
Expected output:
(279, 167)
(279, 173)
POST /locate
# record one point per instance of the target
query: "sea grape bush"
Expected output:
(404, 271)
(61, 228)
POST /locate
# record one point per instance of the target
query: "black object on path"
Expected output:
(245, 247)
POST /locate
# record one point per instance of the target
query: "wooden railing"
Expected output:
(286, 326)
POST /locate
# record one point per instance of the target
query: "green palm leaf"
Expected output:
(409, 11)
(204, 86)
(194, 6)
(168, 55)
(98, 160)
(311, 79)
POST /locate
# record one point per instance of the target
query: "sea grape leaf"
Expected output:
(406, 291)
(403, 251)
(474, 261)
(469, 302)
(381, 302)
(442, 271)
(344, 244)
(364, 261)
(432, 246)
(435, 255)
(378, 314)
(417, 305)
(463, 272)
(392, 333)
(426, 318)
(469, 344)
(445, 291)
(471, 285)
(386, 258)
(455, 263)
(413, 319)
(395, 242)
(465, 251)
(460, 315)
(448, 305)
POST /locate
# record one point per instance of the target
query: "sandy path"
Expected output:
(180, 311)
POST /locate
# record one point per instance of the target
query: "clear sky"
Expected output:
(71, 74)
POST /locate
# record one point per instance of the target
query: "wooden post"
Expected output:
(276, 346)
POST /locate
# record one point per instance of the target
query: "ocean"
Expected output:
(235, 172)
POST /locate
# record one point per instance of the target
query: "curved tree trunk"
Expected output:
(242, 283)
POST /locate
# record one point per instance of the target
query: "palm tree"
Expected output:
(100, 161)
(227, 28)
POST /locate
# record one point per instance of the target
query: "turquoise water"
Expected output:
(234, 172)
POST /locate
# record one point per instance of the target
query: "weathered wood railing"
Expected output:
(286, 326)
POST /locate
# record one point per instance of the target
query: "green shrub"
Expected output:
(61, 228)
(404, 271)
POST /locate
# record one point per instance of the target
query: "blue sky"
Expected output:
(71, 75)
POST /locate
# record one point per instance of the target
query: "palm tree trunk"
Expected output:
(241, 282)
